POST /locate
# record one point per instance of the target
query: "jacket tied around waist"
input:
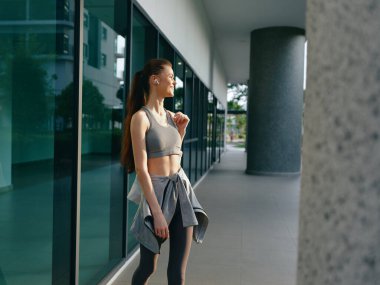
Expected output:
(169, 190)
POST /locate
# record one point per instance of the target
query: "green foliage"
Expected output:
(233, 105)
(24, 83)
(92, 102)
(239, 96)
(236, 124)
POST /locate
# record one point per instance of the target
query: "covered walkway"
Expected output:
(252, 235)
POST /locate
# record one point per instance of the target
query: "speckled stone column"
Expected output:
(339, 230)
(275, 101)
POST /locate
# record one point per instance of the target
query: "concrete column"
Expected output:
(339, 230)
(275, 101)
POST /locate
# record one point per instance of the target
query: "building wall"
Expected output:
(185, 25)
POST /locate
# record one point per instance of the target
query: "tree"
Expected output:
(237, 94)
(237, 101)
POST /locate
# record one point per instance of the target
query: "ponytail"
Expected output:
(135, 100)
(138, 96)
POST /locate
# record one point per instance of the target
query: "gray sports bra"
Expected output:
(162, 140)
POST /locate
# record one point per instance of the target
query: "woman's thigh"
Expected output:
(180, 241)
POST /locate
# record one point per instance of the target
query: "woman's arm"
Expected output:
(139, 125)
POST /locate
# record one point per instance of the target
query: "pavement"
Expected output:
(253, 231)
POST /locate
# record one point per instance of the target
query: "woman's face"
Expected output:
(166, 82)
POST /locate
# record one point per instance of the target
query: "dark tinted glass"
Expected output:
(37, 143)
(144, 47)
(167, 52)
(179, 78)
(102, 199)
(189, 86)
(210, 128)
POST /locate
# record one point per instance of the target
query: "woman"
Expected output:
(168, 207)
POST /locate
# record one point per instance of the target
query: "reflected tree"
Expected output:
(25, 80)
(93, 109)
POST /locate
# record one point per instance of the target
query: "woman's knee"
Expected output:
(148, 261)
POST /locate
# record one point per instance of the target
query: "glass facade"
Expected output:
(166, 51)
(179, 87)
(210, 128)
(101, 203)
(220, 118)
(188, 97)
(64, 216)
(38, 139)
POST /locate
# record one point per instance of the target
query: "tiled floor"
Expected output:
(252, 235)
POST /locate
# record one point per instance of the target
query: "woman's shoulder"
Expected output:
(140, 117)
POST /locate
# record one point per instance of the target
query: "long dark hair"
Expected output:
(138, 96)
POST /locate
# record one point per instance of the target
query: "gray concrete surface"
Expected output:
(252, 235)
(339, 234)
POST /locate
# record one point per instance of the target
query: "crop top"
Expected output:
(162, 140)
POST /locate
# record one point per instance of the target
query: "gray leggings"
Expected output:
(180, 243)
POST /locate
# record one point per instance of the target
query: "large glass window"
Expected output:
(210, 124)
(179, 78)
(188, 111)
(195, 130)
(37, 144)
(167, 52)
(144, 41)
(201, 130)
(219, 129)
(144, 47)
(15, 10)
(102, 198)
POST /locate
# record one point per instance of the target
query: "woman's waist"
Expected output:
(164, 166)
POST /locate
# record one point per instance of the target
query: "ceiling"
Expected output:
(233, 21)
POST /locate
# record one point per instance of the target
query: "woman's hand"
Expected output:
(181, 121)
(160, 226)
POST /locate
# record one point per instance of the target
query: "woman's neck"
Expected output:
(156, 104)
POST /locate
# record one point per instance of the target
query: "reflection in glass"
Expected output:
(188, 111)
(220, 129)
(167, 52)
(101, 222)
(37, 140)
(144, 42)
(195, 130)
(201, 131)
(210, 128)
(178, 93)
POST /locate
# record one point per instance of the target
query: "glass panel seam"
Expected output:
(79, 12)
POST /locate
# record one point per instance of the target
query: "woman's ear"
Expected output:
(154, 80)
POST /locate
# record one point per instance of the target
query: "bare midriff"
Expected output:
(165, 165)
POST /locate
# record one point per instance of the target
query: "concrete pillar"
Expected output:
(275, 101)
(339, 230)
